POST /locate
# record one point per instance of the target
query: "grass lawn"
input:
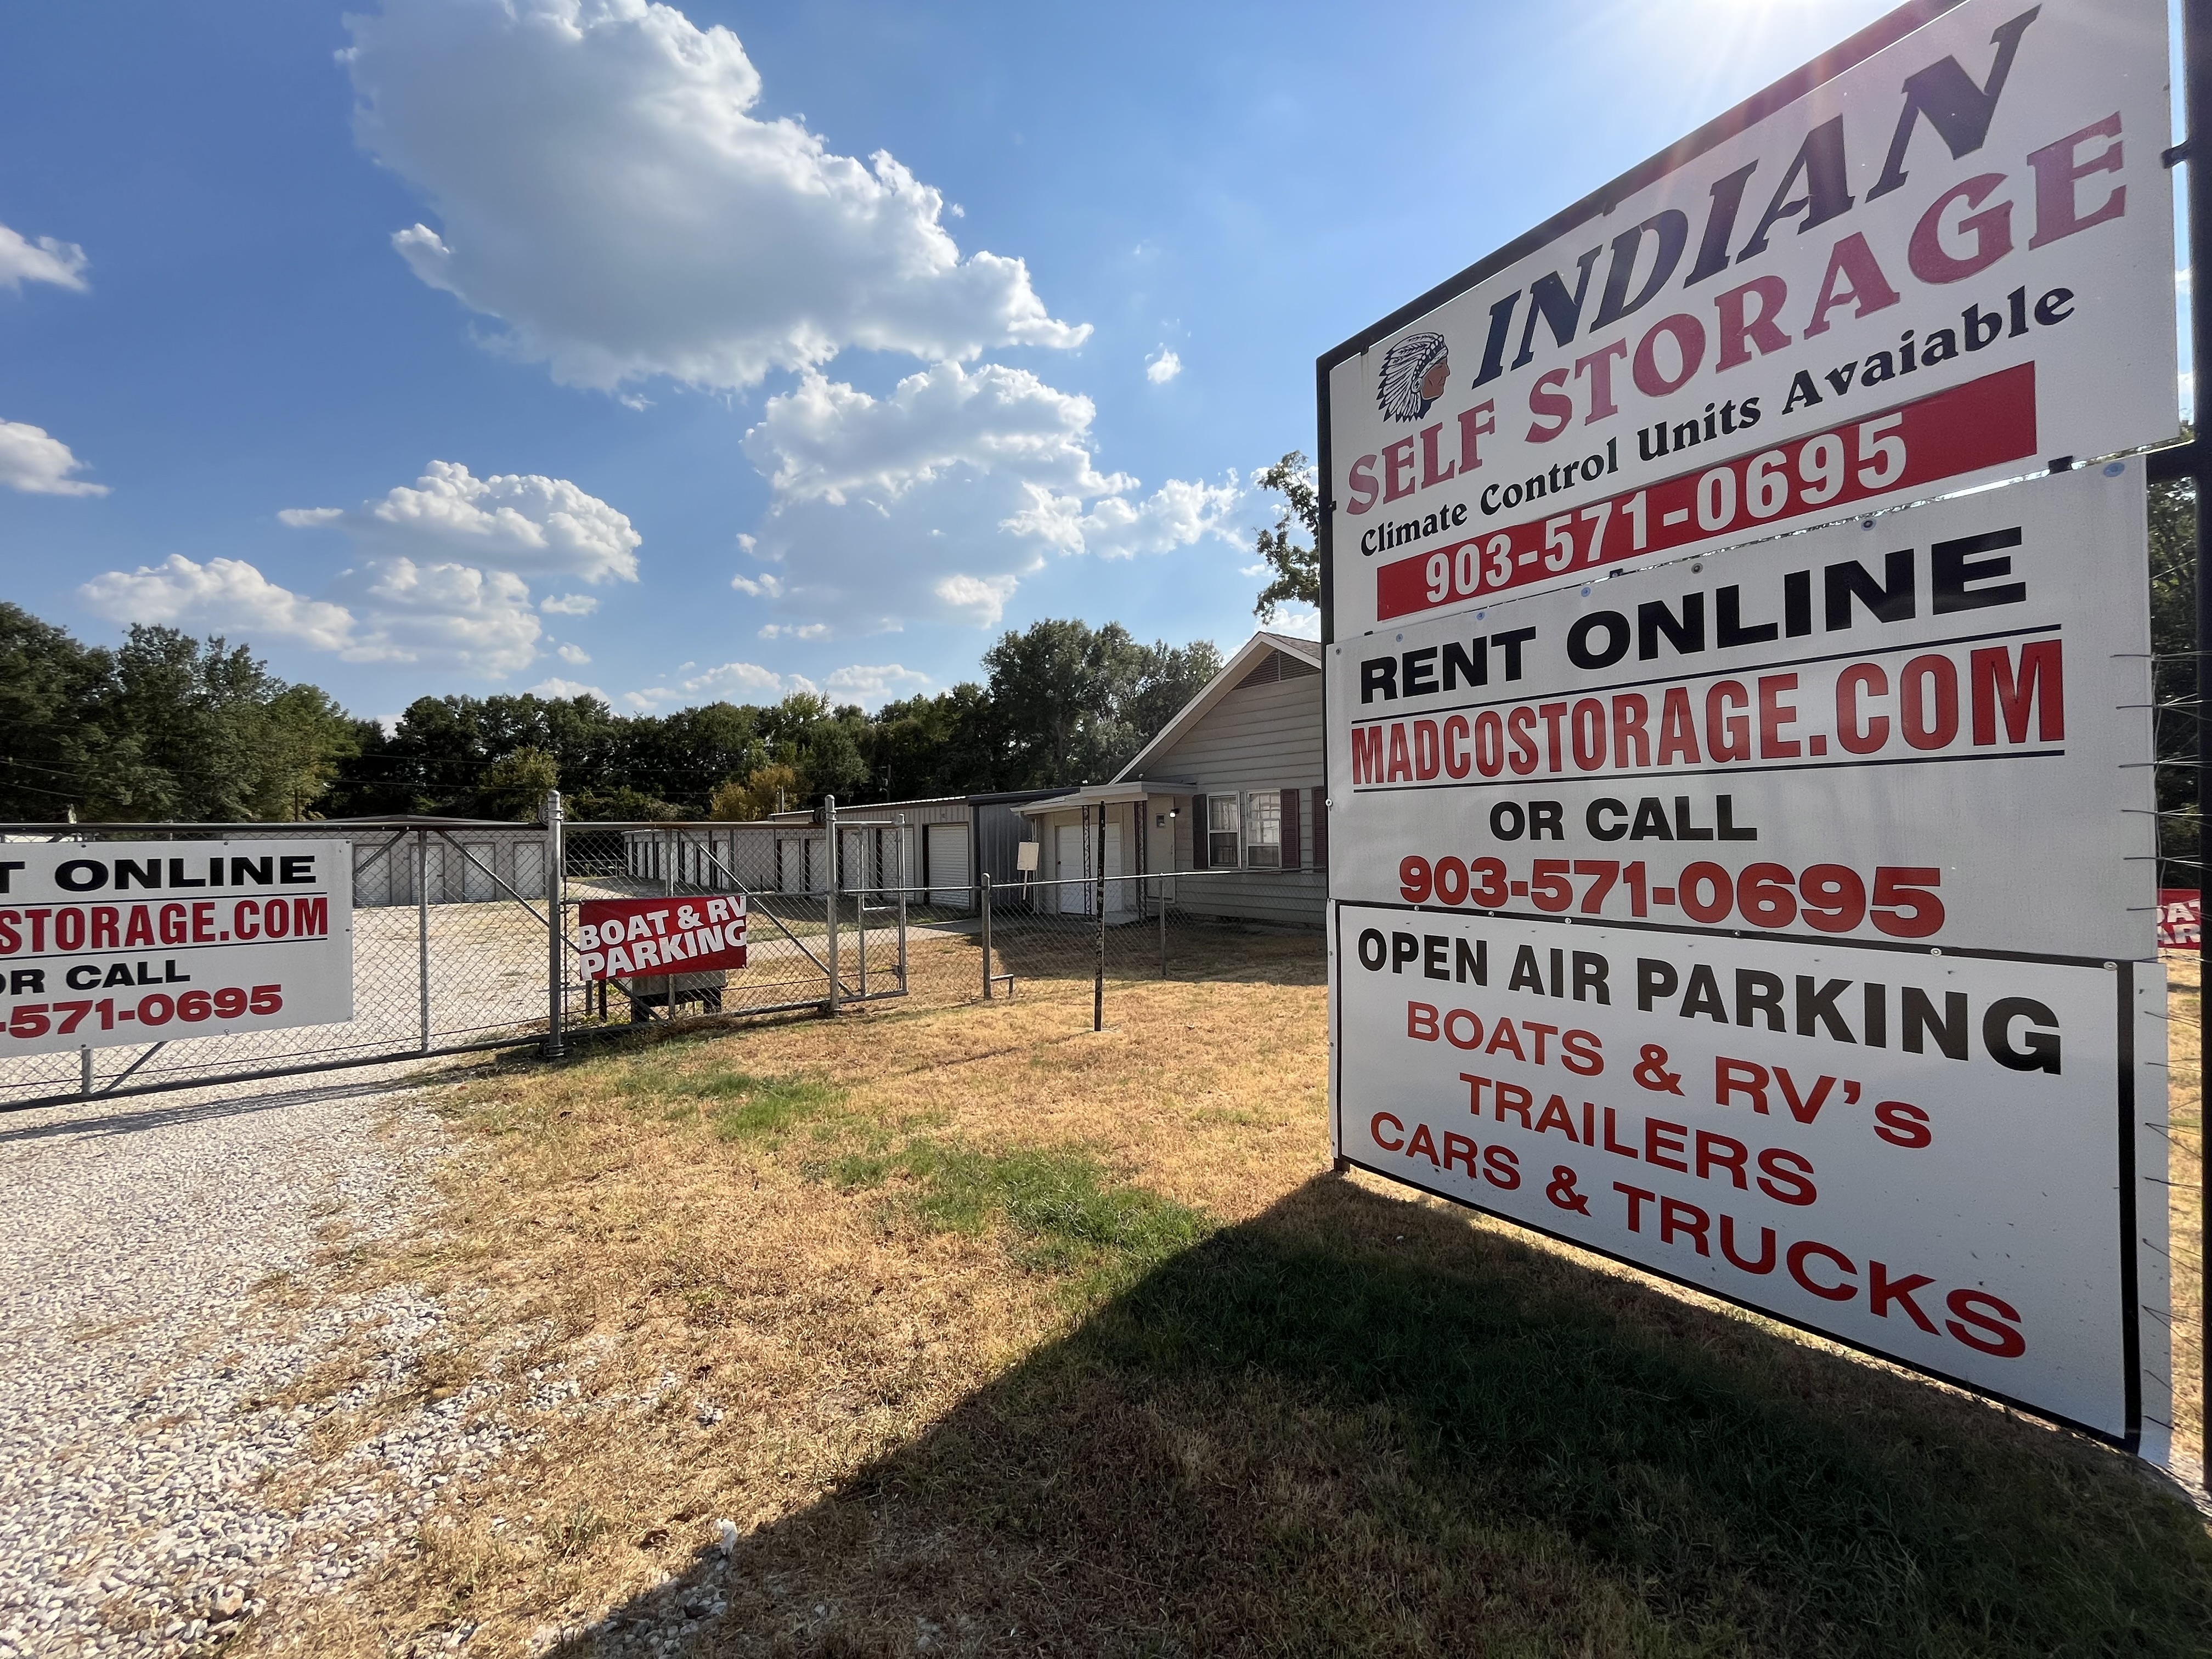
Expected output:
(991, 1336)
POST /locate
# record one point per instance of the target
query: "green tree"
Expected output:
(217, 736)
(947, 745)
(1071, 703)
(765, 789)
(515, 785)
(1296, 565)
(2173, 678)
(57, 753)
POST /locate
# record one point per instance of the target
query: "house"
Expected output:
(1228, 800)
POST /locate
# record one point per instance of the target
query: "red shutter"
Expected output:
(1290, 859)
(1198, 832)
(1321, 829)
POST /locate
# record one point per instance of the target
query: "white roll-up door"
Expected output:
(948, 863)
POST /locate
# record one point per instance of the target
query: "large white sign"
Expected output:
(1935, 1158)
(1942, 254)
(1931, 728)
(106, 943)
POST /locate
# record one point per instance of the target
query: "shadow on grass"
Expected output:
(1357, 1425)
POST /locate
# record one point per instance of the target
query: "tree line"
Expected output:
(166, 726)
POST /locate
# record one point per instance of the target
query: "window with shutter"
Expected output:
(1223, 828)
(1198, 832)
(1263, 830)
(1291, 849)
(1321, 829)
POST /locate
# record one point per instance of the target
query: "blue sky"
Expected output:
(566, 343)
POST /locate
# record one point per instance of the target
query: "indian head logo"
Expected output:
(1415, 373)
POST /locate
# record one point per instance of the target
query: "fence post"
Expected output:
(830, 825)
(1164, 936)
(423, 928)
(84, 1070)
(902, 895)
(556, 971)
(1098, 968)
(984, 892)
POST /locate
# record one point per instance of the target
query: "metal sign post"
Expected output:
(555, 991)
(2196, 85)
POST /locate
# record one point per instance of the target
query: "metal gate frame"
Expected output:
(381, 851)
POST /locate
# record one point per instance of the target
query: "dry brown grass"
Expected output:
(1351, 1420)
(611, 1224)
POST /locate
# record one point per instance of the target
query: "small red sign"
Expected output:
(2180, 919)
(1953, 433)
(634, 939)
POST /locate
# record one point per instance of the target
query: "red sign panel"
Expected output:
(630, 939)
(2180, 919)
(1982, 423)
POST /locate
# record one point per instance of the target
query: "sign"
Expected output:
(624, 938)
(1797, 891)
(107, 942)
(1930, 1158)
(1938, 255)
(1888, 732)
(2180, 919)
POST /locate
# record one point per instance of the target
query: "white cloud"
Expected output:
(43, 261)
(559, 689)
(1162, 366)
(447, 614)
(568, 605)
(983, 599)
(795, 631)
(824, 440)
(435, 616)
(748, 682)
(38, 464)
(603, 189)
(574, 654)
(937, 499)
(227, 595)
(863, 684)
(522, 522)
(762, 588)
(737, 682)
(1301, 621)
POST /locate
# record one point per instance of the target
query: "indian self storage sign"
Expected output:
(1776, 919)
(1937, 256)
(107, 942)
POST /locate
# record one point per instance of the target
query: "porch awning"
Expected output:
(1092, 794)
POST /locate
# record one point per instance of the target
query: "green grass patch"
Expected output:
(1066, 1212)
(744, 1107)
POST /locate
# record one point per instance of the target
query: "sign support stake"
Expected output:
(2197, 83)
(422, 931)
(829, 843)
(555, 993)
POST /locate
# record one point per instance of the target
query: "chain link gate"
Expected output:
(455, 949)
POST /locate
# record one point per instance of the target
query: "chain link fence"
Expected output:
(455, 945)
(1083, 936)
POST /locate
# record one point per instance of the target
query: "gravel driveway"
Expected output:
(151, 1255)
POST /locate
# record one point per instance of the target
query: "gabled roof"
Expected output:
(1252, 653)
